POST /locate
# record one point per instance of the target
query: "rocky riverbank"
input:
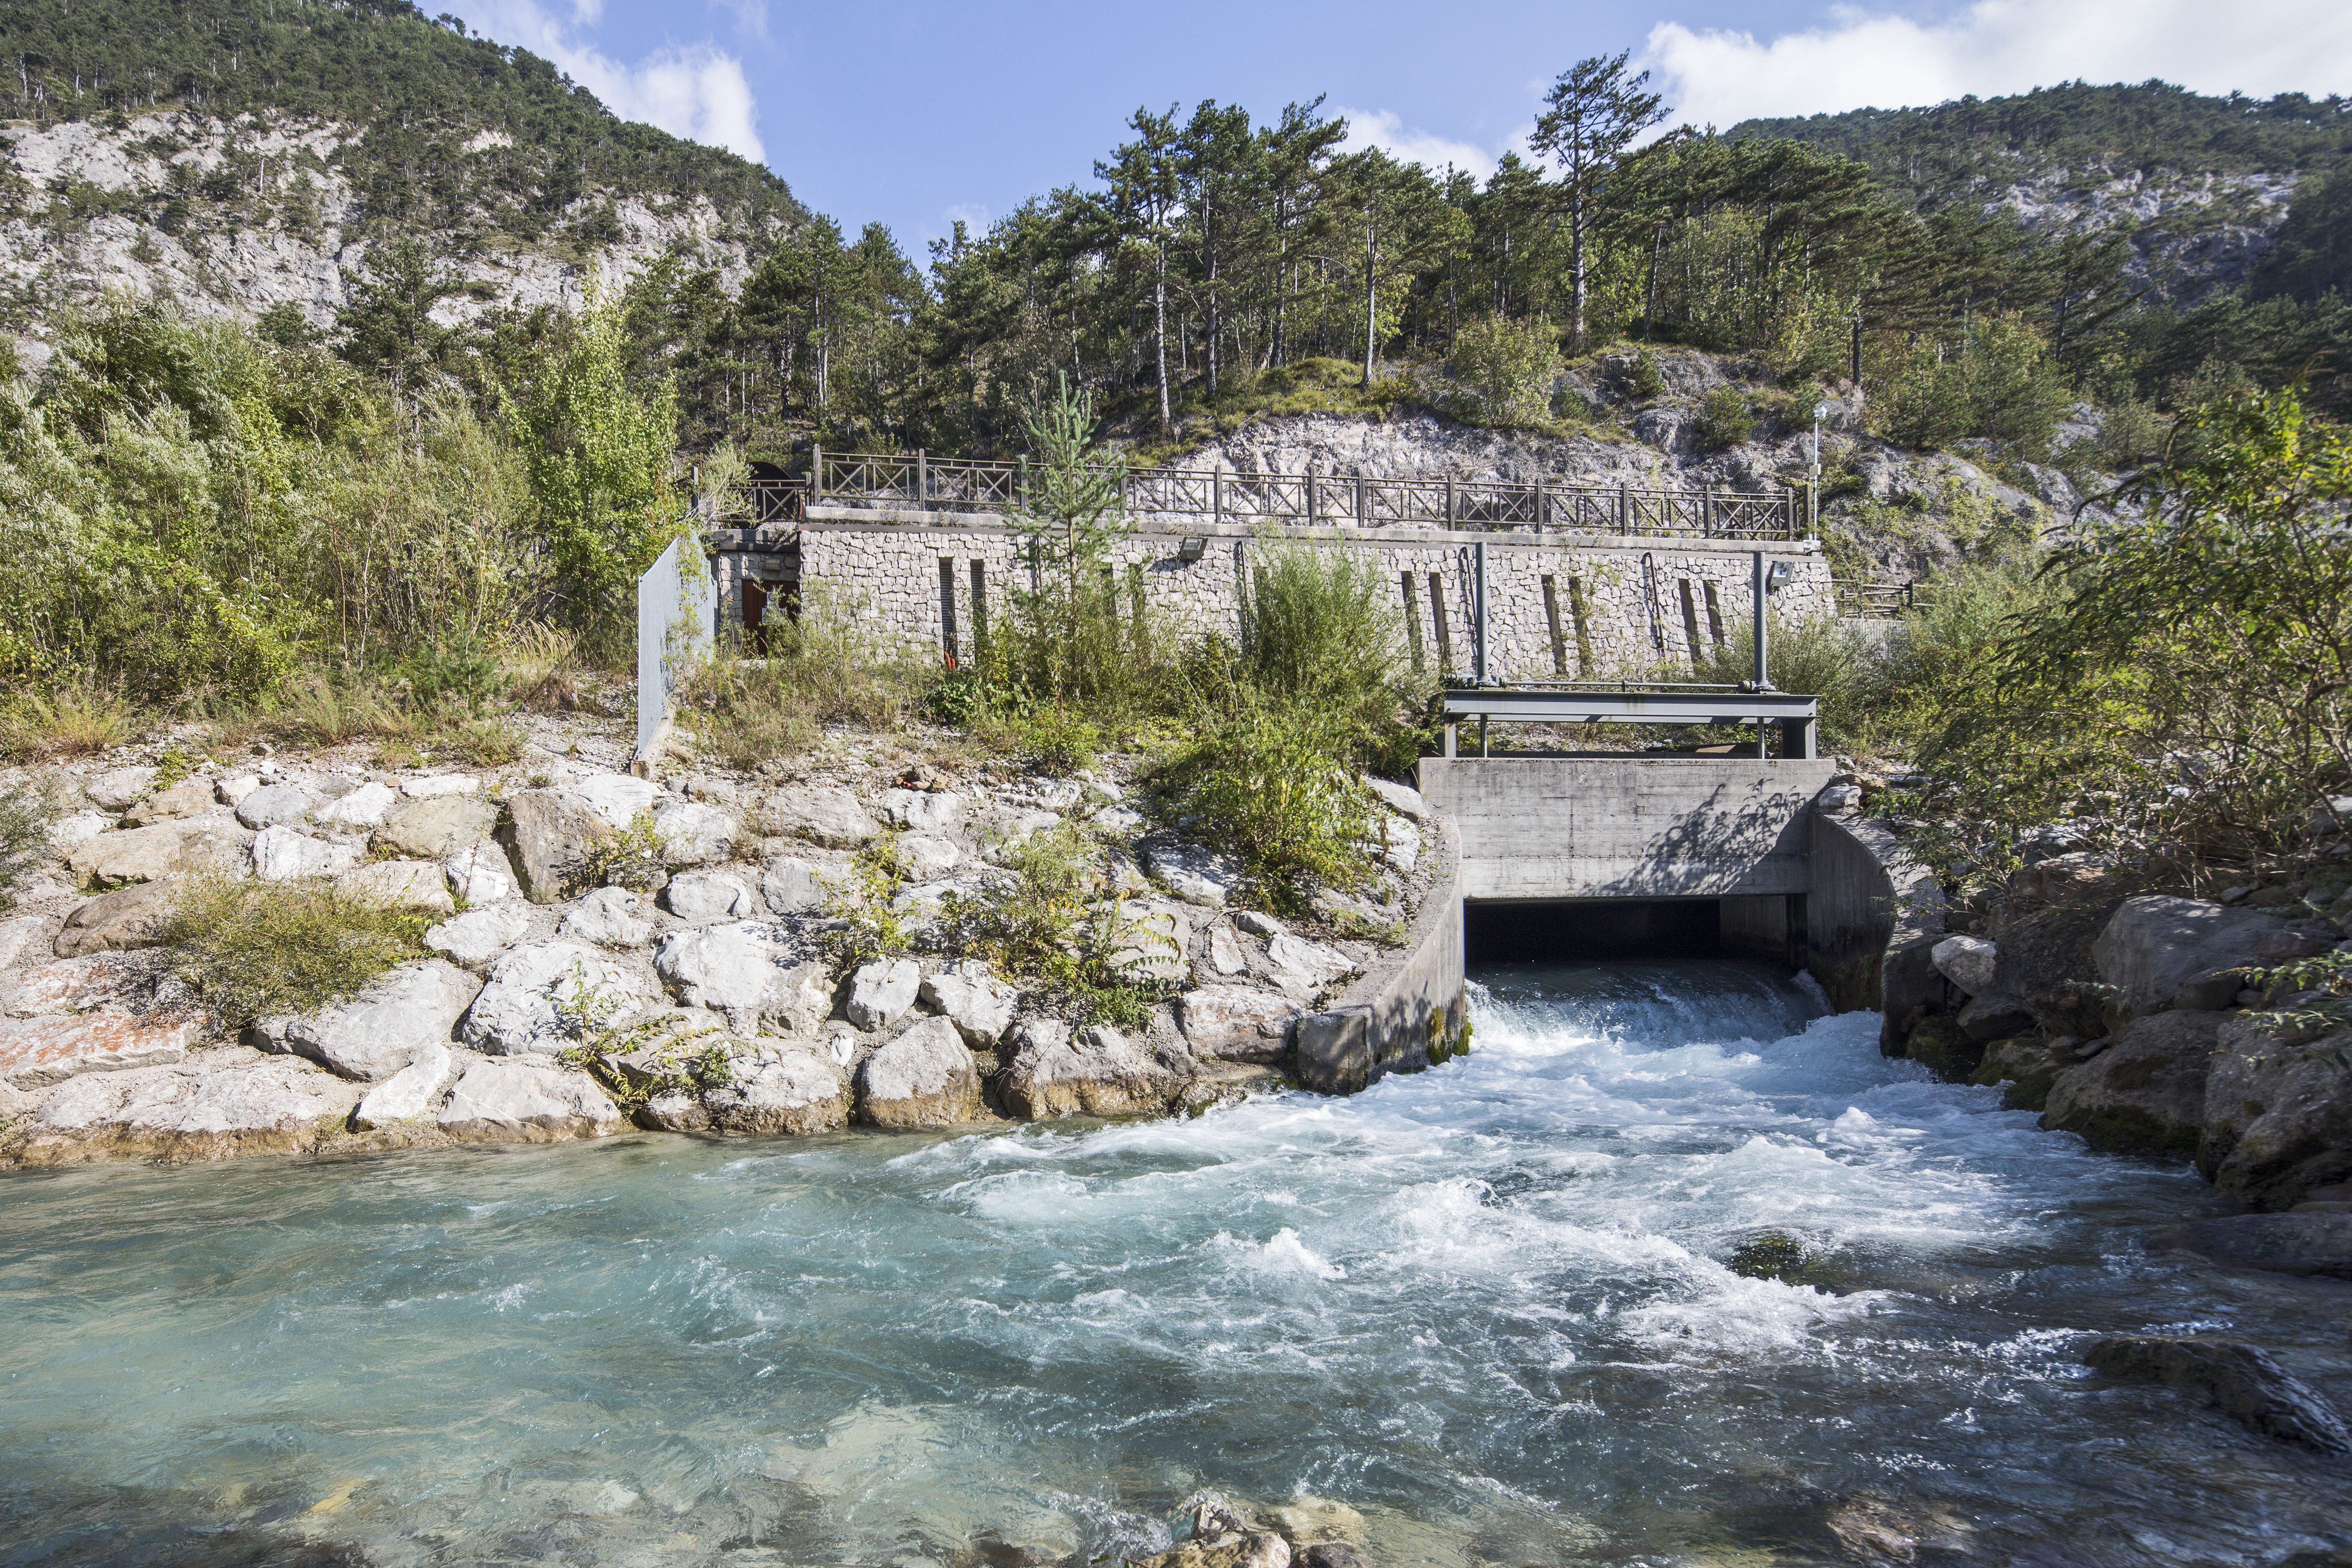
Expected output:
(2158, 1024)
(603, 952)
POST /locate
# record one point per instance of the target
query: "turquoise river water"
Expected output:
(1486, 1306)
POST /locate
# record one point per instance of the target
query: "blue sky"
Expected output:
(915, 112)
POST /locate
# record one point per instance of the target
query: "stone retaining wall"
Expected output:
(1561, 606)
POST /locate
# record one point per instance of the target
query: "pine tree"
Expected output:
(1591, 115)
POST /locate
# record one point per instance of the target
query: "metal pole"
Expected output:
(1814, 479)
(1756, 591)
(1217, 493)
(1449, 500)
(816, 473)
(1480, 648)
(922, 478)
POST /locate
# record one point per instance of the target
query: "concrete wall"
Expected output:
(886, 565)
(1655, 827)
(1876, 915)
(1388, 1020)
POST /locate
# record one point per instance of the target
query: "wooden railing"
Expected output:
(921, 483)
(750, 502)
(1864, 599)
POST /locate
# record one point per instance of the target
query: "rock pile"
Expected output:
(701, 996)
(2137, 1023)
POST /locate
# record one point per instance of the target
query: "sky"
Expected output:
(917, 114)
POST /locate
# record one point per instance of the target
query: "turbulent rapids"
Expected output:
(1670, 1265)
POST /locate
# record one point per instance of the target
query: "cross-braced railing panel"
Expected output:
(1327, 501)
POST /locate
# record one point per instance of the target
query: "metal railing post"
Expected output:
(1449, 500)
(1362, 517)
(1217, 494)
(1310, 500)
(922, 479)
(1706, 511)
(1624, 509)
(816, 473)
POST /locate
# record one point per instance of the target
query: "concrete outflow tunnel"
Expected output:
(1586, 858)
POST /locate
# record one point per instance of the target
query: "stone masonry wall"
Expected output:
(889, 576)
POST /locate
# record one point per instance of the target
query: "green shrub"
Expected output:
(26, 815)
(253, 950)
(867, 927)
(1276, 786)
(1504, 369)
(1320, 630)
(1056, 741)
(1043, 929)
(629, 856)
(1998, 385)
(1725, 419)
(1647, 381)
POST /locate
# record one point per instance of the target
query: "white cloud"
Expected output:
(1380, 128)
(698, 91)
(1869, 60)
(973, 216)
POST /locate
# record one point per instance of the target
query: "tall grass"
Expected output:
(827, 668)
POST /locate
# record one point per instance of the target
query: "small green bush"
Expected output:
(1648, 381)
(1725, 419)
(253, 950)
(1043, 929)
(26, 814)
(1278, 789)
(865, 925)
(627, 856)
(1056, 741)
(1503, 370)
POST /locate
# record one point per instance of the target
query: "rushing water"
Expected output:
(1487, 1306)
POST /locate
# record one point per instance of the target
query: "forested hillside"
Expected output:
(2213, 192)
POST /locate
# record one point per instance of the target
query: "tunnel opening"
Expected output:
(1769, 927)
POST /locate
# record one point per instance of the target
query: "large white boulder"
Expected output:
(1238, 1023)
(615, 799)
(799, 1092)
(544, 996)
(734, 968)
(1099, 1072)
(692, 834)
(793, 886)
(274, 804)
(282, 854)
(972, 998)
(400, 885)
(611, 917)
(925, 811)
(2155, 947)
(529, 1102)
(479, 874)
(822, 814)
(881, 991)
(408, 1093)
(478, 936)
(364, 807)
(705, 896)
(928, 856)
(1967, 961)
(373, 1035)
(1196, 875)
(925, 1077)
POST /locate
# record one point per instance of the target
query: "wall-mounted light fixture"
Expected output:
(1192, 549)
(1778, 577)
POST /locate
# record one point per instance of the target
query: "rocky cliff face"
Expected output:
(232, 217)
(2191, 234)
(1886, 513)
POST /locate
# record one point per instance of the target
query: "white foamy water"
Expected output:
(1489, 1306)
